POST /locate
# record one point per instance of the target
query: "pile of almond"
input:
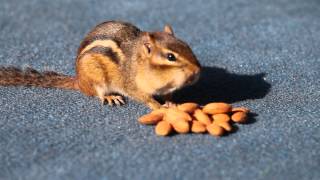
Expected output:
(214, 118)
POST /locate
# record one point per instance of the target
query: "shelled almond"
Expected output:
(221, 117)
(188, 107)
(202, 117)
(239, 117)
(181, 127)
(173, 114)
(215, 130)
(198, 127)
(214, 118)
(217, 108)
(163, 128)
(150, 119)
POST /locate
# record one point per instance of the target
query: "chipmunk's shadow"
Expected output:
(218, 85)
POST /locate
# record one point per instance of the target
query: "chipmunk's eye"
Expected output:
(171, 57)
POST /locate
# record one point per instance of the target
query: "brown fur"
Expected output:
(117, 57)
(11, 76)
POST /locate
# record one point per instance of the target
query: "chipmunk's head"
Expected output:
(168, 61)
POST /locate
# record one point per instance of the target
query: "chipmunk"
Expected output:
(117, 59)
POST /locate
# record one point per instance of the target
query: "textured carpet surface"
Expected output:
(261, 54)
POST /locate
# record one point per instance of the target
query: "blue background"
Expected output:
(261, 54)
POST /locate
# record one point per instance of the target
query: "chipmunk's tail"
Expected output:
(11, 76)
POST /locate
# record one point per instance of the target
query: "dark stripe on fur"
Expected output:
(116, 31)
(90, 40)
(106, 51)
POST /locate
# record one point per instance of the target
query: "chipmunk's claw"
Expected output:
(114, 100)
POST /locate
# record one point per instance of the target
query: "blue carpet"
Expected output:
(261, 54)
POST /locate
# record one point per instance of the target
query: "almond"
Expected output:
(173, 115)
(159, 111)
(215, 130)
(221, 117)
(163, 128)
(198, 127)
(150, 119)
(202, 117)
(181, 127)
(188, 107)
(225, 125)
(239, 117)
(240, 109)
(217, 108)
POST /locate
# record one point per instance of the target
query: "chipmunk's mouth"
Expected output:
(193, 79)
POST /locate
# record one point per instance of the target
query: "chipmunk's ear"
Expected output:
(148, 44)
(168, 29)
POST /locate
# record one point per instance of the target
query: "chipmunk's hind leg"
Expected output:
(94, 72)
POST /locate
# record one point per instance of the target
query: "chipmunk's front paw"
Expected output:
(114, 99)
(169, 104)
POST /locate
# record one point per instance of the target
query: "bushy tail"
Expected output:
(11, 76)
